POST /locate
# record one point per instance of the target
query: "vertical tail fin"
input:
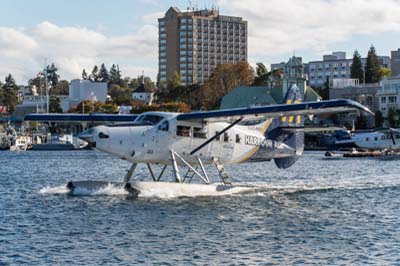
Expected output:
(294, 139)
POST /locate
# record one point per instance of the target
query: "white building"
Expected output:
(389, 95)
(143, 93)
(335, 66)
(80, 90)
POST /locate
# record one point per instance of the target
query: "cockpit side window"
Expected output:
(164, 126)
(150, 119)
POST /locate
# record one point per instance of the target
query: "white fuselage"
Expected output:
(141, 143)
(374, 140)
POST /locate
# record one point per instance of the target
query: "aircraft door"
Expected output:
(162, 137)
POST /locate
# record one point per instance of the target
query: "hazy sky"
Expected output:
(77, 34)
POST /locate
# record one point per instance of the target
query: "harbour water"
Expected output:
(319, 211)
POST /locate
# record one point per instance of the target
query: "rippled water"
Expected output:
(318, 211)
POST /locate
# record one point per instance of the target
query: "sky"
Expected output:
(78, 34)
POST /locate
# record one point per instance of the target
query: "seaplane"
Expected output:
(189, 141)
(375, 139)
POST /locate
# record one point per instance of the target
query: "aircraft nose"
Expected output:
(88, 136)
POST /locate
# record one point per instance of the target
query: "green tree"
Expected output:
(133, 83)
(147, 82)
(52, 75)
(174, 82)
(262, 75)
(84, 75)
(385, 72)
(10, 90)
(356, 69)
(1, 94)
(394, 117)
(324, 91)
(373, 73)
(115, 75)
(61, 88)
(120, 95)
(103, 74)
(378, 119)
(94, 77)
(55, 105)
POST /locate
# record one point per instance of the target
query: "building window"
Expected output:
(369, 100)
(392, 99)
(383, 99)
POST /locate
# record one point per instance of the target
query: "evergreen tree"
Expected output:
(373, 71)
(84, 75)
(378, 118)
(1, 94)
(115, 75)
(356, 70)
(52, 76)
(103, 74)
(9, 97)
(261, 75)
(55, 105)
(94, 77)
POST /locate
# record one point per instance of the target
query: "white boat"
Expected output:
(57, 142)
(22, 143)
(377, 139)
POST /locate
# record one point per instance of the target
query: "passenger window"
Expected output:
(217, 138)
(376, 138)
(383, 137)
(237, 138)
(199, 132)
(164, 126)
(226, 137)
(367, 139)
(183, 131)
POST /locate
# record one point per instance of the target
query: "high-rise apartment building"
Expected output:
(395, 63)
(192, 43)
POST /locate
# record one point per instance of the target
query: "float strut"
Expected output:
(130, 173)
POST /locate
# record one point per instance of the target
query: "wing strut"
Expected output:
(215, 136)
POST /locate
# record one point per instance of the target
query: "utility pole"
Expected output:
(46, 85)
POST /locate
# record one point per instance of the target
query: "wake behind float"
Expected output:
(90, 187)
(153, 189)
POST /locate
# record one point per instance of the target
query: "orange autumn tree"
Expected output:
(224, 78)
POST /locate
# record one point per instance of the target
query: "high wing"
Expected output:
(93, 117)
(273, 111)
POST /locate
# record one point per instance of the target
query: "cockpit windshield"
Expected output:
(149, 119)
